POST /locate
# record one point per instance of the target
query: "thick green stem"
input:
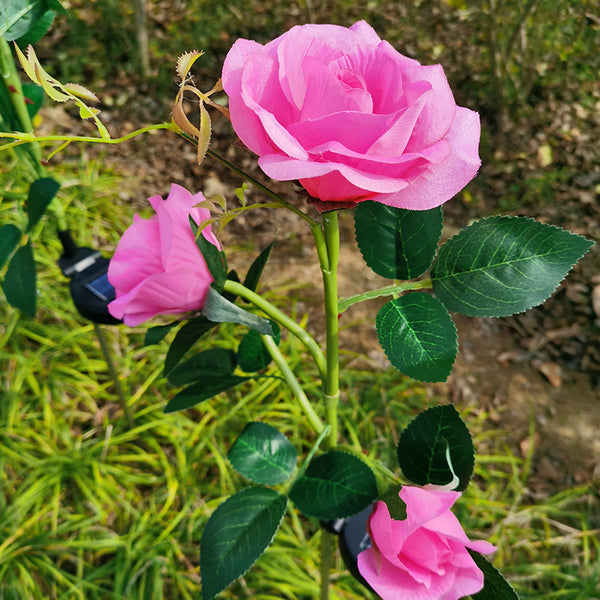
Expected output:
(327, 241)
(388, 290)
(326, 556)
(295, 386)
(329, 271)
(282, 319)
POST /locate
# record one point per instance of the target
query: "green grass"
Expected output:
(92, 508)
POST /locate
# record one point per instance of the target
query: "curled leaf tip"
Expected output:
(185, 62)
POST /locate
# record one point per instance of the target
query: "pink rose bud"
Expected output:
(351, 118)
(423, 557)
(157, 267)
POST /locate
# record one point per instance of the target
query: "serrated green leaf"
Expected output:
(214, 258)
(425, 445)
(418, 336)
(41, 193)
(236, 535)
(10, 235)
(203, 390)
(157, 334)
(495, 587)
(257, 267)
(504, 265)
(335, 485)
(252, 354)
(208, 364)
(263, 455)
(185, 338)
(220, 310)
(19, 283)
(394, 242)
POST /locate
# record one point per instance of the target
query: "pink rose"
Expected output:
(423, 557)
(349, 117)
(157, 267)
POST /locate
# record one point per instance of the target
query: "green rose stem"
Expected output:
(327, 242)
(388, 290)
(295, 386)
(274, 313)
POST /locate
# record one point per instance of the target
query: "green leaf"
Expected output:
(263, 454)
(155, 335)
(335, 485)
(208, 364)
(20, 281)
(10, 235)
(41, 193)
(397, 243)
(504, 265)
(38, 30)
(17, 17)
(418, 336)
(185, 338)
(203, 390)
(220, 310)
(432, 438)
(214, 258)
(257, 267)
(495, 587)
(236, 535)
(252, 354)
(35, 94)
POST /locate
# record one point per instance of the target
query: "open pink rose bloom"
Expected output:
(157, 267)
(351, 118)
(423, 557)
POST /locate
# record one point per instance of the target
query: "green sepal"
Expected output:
(41, 193)
(397, 243)
(335, 485)
(501, 266)
(418, 336)
(214, 258)
(430, 440)
(203, 390)
(220, 310)
(19, 283)
(263, 454)
(236, 535)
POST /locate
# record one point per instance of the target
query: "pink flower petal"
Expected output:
(439, 184)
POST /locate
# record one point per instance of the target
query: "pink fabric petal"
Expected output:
(440, 111)
(439, 184)
(134, 258)
(291, 55)
(367, 34)
(381, 76)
